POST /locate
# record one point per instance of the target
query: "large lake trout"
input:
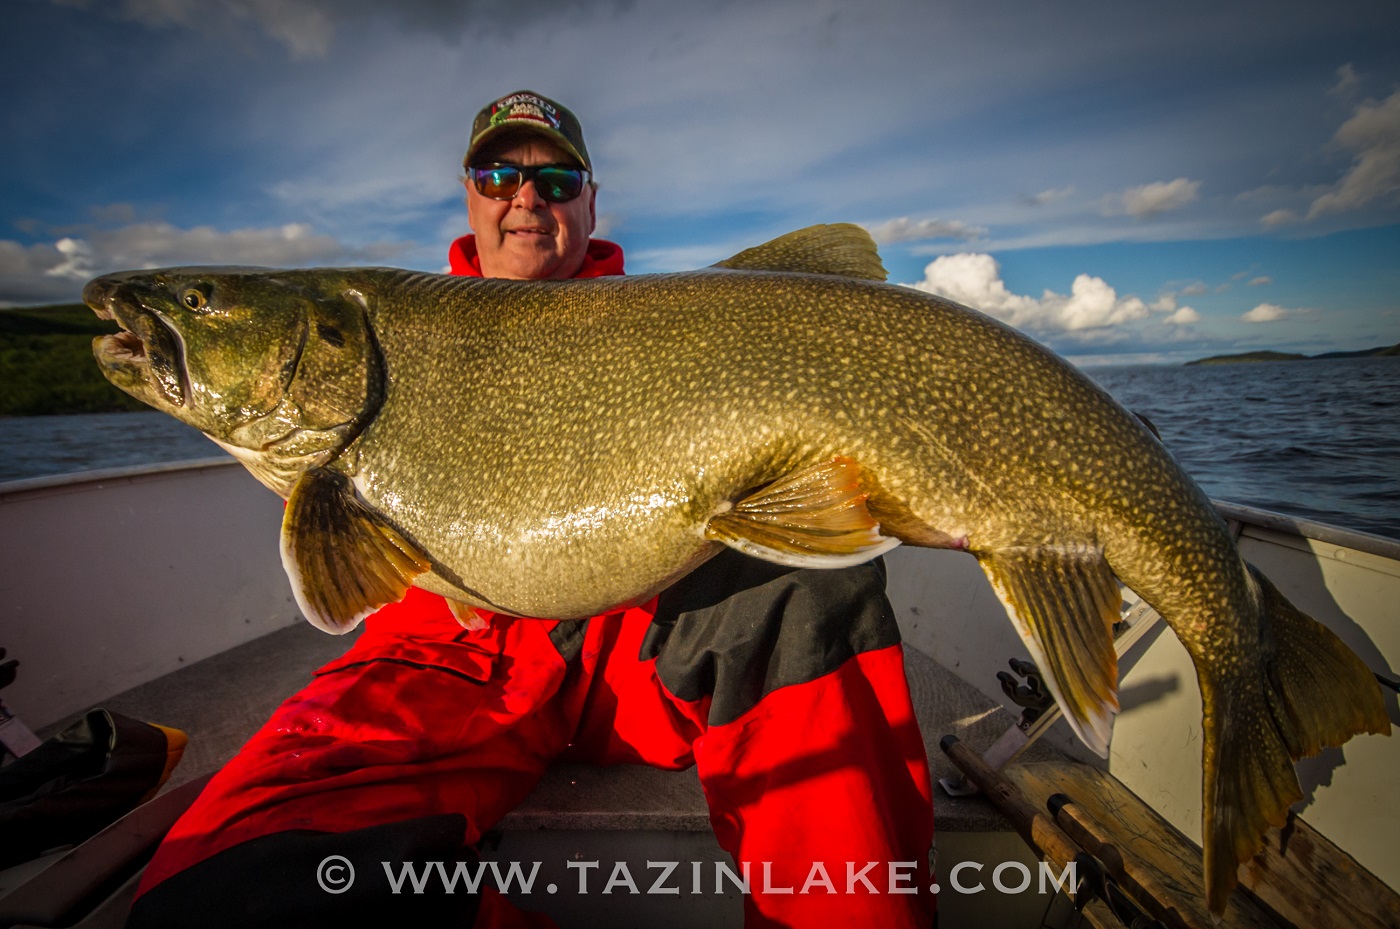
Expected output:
(558, 448)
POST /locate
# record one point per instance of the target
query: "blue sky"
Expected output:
(1125, 181)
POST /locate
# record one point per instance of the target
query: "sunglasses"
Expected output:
(554, 183)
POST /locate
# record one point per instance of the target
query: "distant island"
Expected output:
(1388, 351)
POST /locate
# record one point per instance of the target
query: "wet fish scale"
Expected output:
(597, 401)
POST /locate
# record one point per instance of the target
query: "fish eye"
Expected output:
(195, 298)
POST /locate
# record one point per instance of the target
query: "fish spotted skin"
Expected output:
(557, 449)
(575, 440)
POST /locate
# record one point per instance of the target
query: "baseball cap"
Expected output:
(527, 110)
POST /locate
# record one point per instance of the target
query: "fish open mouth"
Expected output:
(124, 347)
(147, 352)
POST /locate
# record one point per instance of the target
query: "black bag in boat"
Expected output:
(81, 780)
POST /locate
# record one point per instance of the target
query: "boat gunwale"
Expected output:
(28, 485)
(1361, 541)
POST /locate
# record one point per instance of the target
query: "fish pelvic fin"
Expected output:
(812, 518)
(1310, 692)
(343, 560)
(842, 249)
(1064, 602)
(471, 618)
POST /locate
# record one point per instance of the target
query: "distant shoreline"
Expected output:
(46, 363)
(47, 368)
(1387, 351)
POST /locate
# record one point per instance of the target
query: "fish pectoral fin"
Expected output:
(343, 560)
(812, 518)
(1064, 602)
(843, 249)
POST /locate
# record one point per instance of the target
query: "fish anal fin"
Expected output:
(815, 517)
(842, 249)
(1064, 601)
(343, 560)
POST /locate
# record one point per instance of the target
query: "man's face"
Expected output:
(527, 238)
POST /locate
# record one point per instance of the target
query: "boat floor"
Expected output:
(221, 701)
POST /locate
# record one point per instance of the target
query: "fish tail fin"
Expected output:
(1310, 691)
(1328, 692)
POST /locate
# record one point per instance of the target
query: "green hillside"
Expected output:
(46, 363)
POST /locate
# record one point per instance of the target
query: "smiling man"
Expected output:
(784, 688)
(530, 196)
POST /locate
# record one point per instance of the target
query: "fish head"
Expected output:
(273, 365)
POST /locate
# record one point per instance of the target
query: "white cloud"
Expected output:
(25, 271)
(905, 229)
(76, 261)
(1175, 315)
(155, 244)
(1046, 197)
(1268, 313)
(1347, 81)
(1261, 281)
(975, 280)
(1279, 218)
(1159, 197)
(49, 272)
(605, 224)
(1373, 132)
(301, 25)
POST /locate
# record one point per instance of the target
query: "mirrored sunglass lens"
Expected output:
(559, 184)
(499, 182)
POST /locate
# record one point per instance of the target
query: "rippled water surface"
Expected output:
(1317, 439)
(33, 446)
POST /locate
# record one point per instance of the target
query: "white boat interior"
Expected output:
(158, 593)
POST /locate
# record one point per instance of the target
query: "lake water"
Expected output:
(1317, 439)
(34, 446)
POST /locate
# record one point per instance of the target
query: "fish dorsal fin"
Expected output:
(812, 518)
(1064, 602)
(842, 249)
(343, 560)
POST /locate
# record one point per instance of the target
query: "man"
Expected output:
(785, 688)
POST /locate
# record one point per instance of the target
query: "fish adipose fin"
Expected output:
(812, 518)
(1309, 692)
(344, 562)
(1064, 602)
(843, 249)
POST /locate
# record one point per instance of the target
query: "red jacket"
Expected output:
(604, 258)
